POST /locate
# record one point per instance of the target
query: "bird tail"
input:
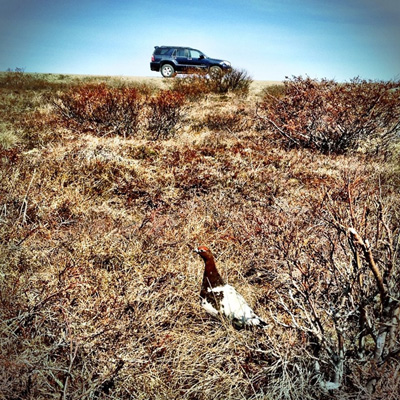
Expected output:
(262, 324)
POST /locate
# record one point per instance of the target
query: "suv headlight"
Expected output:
(225, 63)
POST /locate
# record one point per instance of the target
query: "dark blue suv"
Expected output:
(173, 59)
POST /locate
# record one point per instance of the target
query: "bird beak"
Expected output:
(194, 249)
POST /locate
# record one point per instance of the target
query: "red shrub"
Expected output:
(195, 85)
(164, 113)
(333, 117)
(101, 109)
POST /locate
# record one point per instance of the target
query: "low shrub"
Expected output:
(191, 86)
(351, 268)
(195, 85)
(235, 80)
(101, 109)
(164, 113)
(333, 117)
(105, 110)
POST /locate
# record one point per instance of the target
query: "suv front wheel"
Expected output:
(167, 71)
(215, 71)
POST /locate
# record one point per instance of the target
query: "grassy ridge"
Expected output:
(99, 290)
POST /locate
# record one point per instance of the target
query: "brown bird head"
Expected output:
(204, 252)
(211, 276)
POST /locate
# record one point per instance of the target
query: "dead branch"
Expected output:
(366, 248)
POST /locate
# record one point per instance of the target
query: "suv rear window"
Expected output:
(161, 51)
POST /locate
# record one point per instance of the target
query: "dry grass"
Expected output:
(99, 291)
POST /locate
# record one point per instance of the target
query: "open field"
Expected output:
(155, 79)
(99, 289)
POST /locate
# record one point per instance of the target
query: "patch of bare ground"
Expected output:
(99, 291)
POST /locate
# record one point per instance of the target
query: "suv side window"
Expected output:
(195, 54)
(183, 53)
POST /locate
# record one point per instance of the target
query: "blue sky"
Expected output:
(271, 39)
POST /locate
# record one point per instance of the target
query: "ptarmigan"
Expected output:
(217, 297)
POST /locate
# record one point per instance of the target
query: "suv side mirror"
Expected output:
(201, 57)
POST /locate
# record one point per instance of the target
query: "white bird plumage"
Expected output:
(232, 305)
(219, 298)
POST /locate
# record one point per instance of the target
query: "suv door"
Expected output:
(182, 58)
(197, 59)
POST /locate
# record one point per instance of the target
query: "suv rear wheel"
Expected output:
(167, 71)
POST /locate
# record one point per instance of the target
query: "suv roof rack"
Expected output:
(176, 47)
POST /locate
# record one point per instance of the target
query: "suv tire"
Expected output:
(167, 71)
(215, 71)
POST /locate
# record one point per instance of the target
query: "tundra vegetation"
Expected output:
(104, 182)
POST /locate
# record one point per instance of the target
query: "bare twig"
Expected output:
(366, 248)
